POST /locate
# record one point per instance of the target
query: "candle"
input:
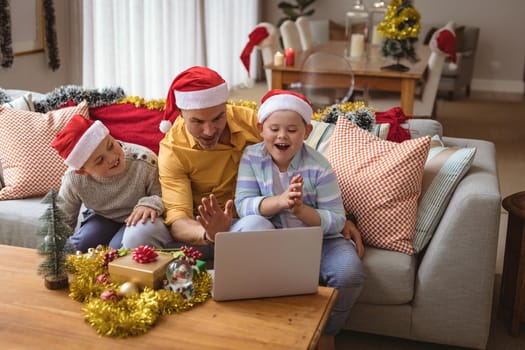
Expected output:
(376, 37)
(357, 45)
(289, 55)
(278, 59)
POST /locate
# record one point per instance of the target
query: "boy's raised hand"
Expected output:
(294, 194)
(141, 213)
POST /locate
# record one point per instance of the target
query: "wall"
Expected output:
(499, 62)
(501, 47)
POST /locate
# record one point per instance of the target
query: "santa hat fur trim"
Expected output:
(276, 100)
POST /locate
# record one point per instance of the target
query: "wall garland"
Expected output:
(51, 35)
(6, 46)
(6, 43)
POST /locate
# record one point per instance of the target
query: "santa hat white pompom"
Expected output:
(452, 66)
(165, 126)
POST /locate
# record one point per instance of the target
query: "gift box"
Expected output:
(151, 275)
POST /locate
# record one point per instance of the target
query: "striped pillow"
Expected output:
(380, 183)
(444, 169)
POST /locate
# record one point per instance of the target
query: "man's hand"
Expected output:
(213, 218)
(141, 213)
(350, 231)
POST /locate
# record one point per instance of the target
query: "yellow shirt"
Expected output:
(188, 173)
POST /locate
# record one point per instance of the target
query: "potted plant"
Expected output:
(292, 10)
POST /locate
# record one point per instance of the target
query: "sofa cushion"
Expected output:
(31, 167)
(24, 103)
(380, 182)
(20, 221)
(390, 277)
(321, 136)
(444, 169)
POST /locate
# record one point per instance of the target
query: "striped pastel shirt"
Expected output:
(320, 189)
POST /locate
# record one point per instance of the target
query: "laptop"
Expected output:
(270, 263)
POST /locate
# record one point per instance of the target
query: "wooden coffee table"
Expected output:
(33, 317)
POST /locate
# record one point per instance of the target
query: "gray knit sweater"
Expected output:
(115, 197)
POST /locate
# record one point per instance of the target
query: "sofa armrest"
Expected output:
(454, 282)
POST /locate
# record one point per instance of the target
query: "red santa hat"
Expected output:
(276, 100)
(444, 41)
(195, 88)
(254, 38)
(79, 138)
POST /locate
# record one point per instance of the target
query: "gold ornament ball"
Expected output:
(128, 289)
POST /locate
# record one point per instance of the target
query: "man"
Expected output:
(199, 157)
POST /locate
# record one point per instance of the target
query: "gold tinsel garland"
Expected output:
(343, 107)
(131, 315)
(160, 104)
(390, 26)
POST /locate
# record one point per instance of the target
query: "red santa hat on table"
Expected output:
(254, 38)
(79, 138)
(444, 41)
(195, 88)
(276, 100)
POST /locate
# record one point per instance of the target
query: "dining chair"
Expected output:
(305, 32)
(425, 102)
(290, 35)
(309, 85)
(268, 48)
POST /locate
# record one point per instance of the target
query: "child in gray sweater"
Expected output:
(117, 182)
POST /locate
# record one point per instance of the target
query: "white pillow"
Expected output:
(23, 103)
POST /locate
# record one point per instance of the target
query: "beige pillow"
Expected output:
(30, 165)
(380, 183)
(24, 103)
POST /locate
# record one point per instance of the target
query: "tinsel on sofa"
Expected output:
(72, 94)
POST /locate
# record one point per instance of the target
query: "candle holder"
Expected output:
(357, 20)
(376, 15)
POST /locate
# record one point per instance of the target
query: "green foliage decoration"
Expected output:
(292, 10)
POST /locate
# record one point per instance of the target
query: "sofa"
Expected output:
(443, 294)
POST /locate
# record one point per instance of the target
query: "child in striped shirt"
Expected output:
(293, 185)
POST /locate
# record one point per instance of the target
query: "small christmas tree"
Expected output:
(400, 28)
(55, 246)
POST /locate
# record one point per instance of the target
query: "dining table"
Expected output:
(368, 70)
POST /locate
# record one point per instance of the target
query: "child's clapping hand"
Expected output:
(293, 196)
(141, 213)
